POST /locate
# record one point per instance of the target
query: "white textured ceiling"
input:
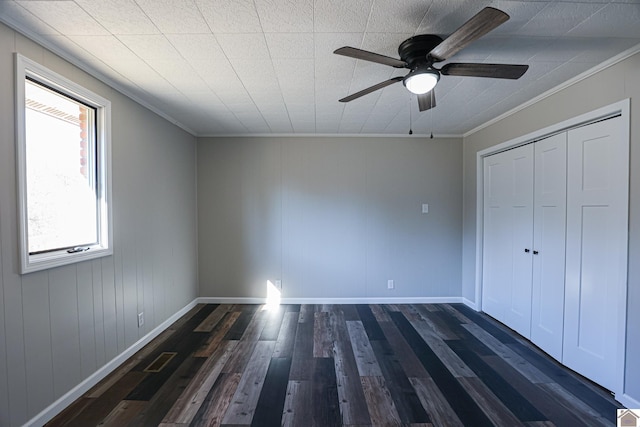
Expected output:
(220, 67)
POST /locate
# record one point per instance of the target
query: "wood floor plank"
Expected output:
(495, 410)
(410, 363)
(453, 312)
(306, 313)
(70, 412)
(124, 413)
(460, 401)
(188, 404)
(245, 399)
(112, 378)
(155, 380)
(448, 357)
(162, 400)
(98, 409)
(324, 393)
(365, 358)
(322, 336)
(287, 334)
(436, 324)
(353, 405)
(569, 381)
(499, 332)
(297, 405)
(529, 371)
(379, 313)
(370, 322)
(213, 318)
(182, 339)
(542, 398)
(247, 313)
(217, 335)
(499, 386)
(407, 403)
(435, 403)
(217, 401)
(382, 409)
(302, 352)
(274, 322)
(239, 359)
(349, 312)
(588, 415)
(270, 403)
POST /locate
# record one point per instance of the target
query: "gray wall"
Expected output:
(613, 84)
(58, 326)
(331, 217)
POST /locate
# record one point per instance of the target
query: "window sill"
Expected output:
(38, 262)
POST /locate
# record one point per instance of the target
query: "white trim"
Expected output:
(628, 401)
(354, 300)
(330, 135)
(590, 72)
(470, 304)
(621, 107)
(68, 398)
(25, 67)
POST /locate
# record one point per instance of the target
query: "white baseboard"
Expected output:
(359, 300)
(470, 304)
(67, 399)
(628, 401)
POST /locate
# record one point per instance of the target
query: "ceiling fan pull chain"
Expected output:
(410, 117)
(431, 112)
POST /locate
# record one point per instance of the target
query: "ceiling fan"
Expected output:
(420, 53)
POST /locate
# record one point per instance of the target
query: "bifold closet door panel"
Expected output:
(550, 200)
(508, 232)
(596, 265)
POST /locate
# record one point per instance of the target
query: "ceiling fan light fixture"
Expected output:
(421, 81)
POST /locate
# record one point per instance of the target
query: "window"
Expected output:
(63, 155)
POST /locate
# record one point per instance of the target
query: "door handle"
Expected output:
(535, 252)
(527, 251)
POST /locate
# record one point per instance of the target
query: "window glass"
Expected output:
(61, 191)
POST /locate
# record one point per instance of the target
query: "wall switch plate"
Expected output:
(425, 208)
(390, 284)
(140, 319)
(278, 284)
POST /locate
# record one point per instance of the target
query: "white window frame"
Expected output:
(24, 67)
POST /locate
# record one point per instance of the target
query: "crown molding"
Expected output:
(590, 72)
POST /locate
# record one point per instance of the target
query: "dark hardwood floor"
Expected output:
(332, 365)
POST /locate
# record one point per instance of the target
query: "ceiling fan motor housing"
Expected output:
(414, 50)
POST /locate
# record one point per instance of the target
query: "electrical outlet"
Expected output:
(140, 319)
(278, 284)
(390, 284)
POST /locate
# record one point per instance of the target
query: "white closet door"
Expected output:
(508, 231)
(550, 199)
(596, 265)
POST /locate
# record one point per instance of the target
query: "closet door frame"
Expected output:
(621, 108)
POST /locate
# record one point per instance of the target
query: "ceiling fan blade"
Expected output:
(365, 55)
(483, 22)
(426, 101)
(496, 71)
(371, 89)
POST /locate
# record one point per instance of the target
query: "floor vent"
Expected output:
(160, 362)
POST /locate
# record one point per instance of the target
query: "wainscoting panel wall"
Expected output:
(59, 326)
